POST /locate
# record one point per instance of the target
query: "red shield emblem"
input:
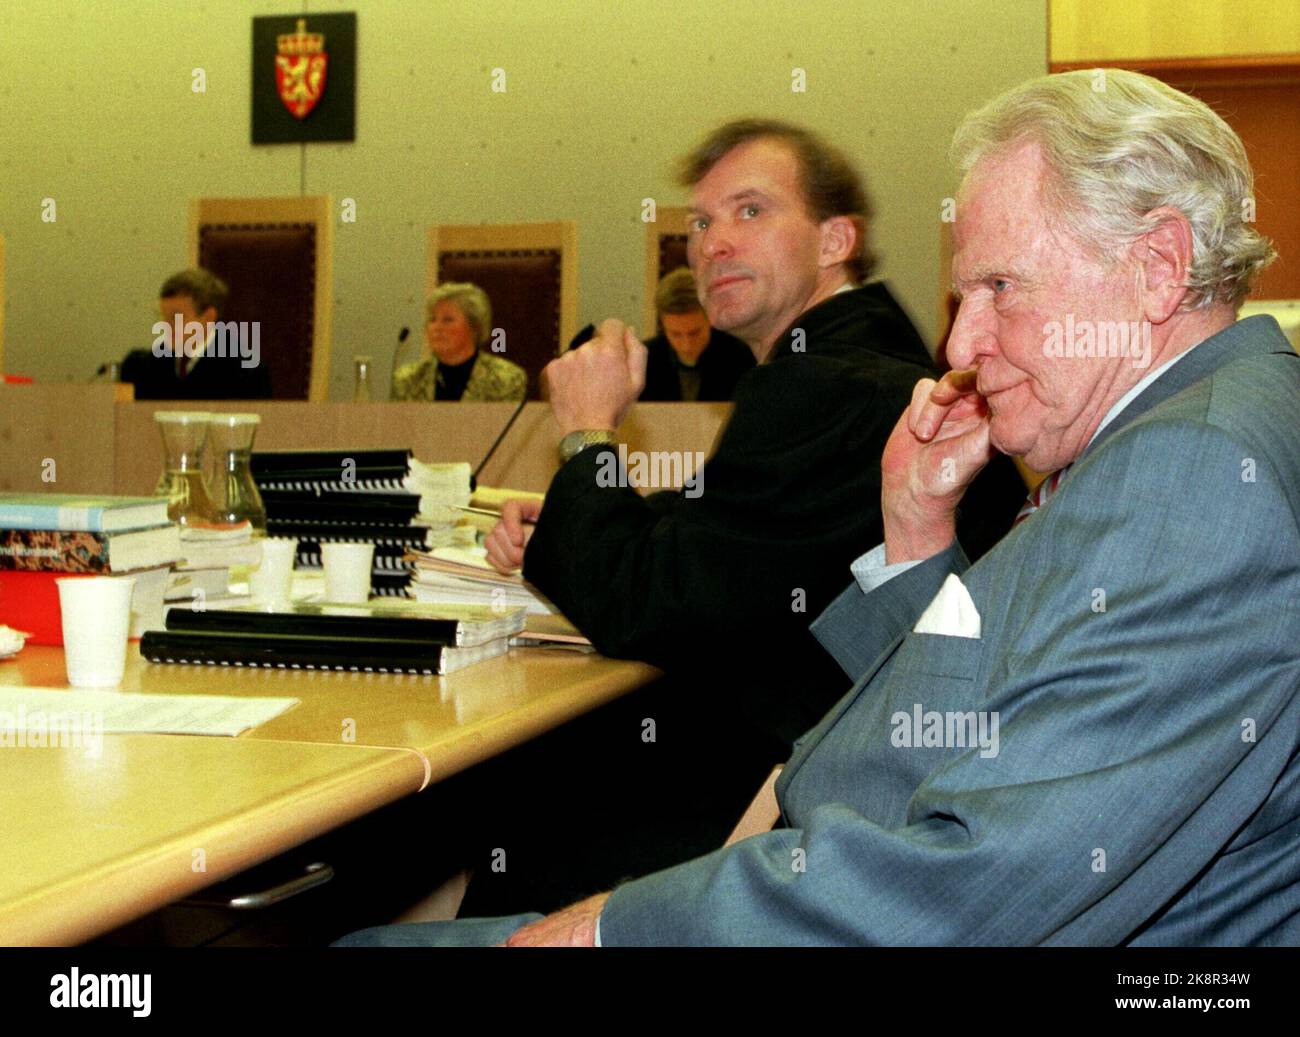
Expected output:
(300, 66)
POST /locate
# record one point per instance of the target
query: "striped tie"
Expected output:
(1041, 495)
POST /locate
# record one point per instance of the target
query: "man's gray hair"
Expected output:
(1118, 144)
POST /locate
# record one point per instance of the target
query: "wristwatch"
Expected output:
(576, 442)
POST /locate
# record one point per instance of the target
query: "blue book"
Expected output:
(74, 513)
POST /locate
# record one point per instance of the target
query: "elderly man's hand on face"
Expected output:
(594, 386)
(938, 446)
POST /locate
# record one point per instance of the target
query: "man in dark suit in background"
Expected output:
(691, 360)
(194, 355)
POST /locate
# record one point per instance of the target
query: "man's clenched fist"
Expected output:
(594, 386)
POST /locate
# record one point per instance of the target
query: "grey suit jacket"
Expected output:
(1140, 648)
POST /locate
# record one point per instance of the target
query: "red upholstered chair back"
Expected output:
(672, 252)
(277, 256)
(271, 272)
(523, 286)
(530, 274)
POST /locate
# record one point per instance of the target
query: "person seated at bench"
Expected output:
(691, 360)
(455, 364)
(195, 355)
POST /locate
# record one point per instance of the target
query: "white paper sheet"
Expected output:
(115, 712)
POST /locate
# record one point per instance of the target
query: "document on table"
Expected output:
(116, 712)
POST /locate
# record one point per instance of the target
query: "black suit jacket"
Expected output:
(721, 364)
(727, 582)
(212, 378)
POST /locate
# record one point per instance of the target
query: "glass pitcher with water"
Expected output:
(184, 435)
(234, 494)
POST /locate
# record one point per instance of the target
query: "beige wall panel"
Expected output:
(63, 431)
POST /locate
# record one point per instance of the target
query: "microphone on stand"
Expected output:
(586, 334)
(582, 337)
(473, 479)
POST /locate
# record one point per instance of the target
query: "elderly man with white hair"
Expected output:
(1090, 735)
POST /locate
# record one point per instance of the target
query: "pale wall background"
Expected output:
(97, 112)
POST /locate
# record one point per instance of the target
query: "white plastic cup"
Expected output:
(347, 572)
(96, 620)
(271, 583)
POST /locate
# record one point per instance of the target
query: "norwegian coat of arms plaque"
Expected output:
(304, 78)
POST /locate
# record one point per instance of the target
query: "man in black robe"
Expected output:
(716, 583)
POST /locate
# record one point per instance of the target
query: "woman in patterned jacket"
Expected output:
(455, 366)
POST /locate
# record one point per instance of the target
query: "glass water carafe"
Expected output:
(234, 494)
(184, 434)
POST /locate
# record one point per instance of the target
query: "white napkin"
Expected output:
(952, 612)
(11, 641)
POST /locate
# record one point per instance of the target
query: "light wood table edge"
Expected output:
(506, 731)
(97, 901)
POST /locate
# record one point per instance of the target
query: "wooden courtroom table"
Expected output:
(450, 723)
(92, 843)
(103, 841)
(100, 842)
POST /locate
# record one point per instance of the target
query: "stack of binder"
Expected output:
(380, 637)
(381, 497)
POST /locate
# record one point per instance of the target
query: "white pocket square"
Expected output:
(951, 613)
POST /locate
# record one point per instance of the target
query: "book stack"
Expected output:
(219, 546)
(210, 553)
(47, 536)
(379, 637)
(464, 576)
(382, 497)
